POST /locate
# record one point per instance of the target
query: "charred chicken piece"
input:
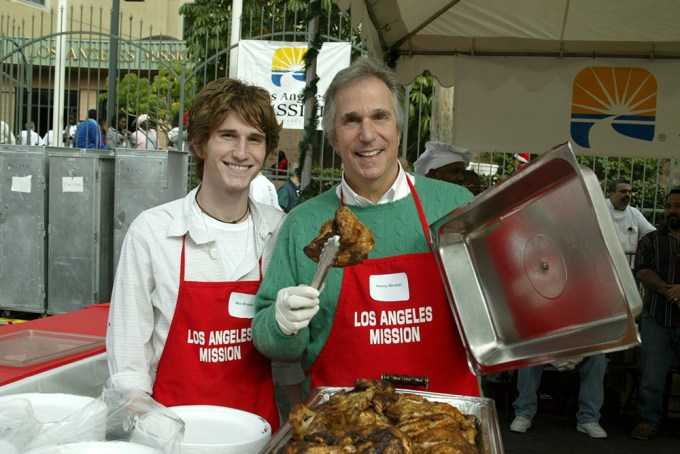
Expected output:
(356, 240)
(374, 418)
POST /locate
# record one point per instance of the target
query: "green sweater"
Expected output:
(397, 230)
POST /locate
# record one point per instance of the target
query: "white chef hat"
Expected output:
(438, 154)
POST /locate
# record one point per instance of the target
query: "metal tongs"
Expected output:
(326, 261)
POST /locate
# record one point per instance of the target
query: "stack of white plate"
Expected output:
(95, 447)
(221, 430)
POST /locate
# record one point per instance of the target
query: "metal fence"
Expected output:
(158, 75)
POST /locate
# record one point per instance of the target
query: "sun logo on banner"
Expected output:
(623, 98)
(288, 61)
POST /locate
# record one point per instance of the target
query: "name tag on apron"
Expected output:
(242, 305)
(389, 287)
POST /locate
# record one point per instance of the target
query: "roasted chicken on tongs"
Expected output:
(356, 240)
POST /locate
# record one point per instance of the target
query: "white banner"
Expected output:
(607, 107)
(280, 68)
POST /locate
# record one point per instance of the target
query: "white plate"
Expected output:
(95, 447)
(211, 428)
(51, 407)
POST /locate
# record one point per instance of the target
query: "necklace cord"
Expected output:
(220, 220)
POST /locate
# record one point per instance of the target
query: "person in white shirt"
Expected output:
(184, 292)
(6, 135)
(630, 223)
(145, 137)
(262, 190)
(29, 136)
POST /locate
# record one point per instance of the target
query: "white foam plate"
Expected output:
(51, 407)
(212, 427)
(95, 447)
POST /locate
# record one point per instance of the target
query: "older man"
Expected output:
(391, 306)
(630, 224)
(443, 161)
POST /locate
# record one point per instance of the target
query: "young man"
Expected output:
(184, 293)
(354, 333)
(657, 266)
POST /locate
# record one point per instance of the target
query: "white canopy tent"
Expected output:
(533, 73)
(425, 34)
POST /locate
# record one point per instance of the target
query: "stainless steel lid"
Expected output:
(534, 269)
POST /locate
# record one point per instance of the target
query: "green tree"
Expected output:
(208, 33)
(160, 98)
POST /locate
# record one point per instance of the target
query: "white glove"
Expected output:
(566, 364)
(295, 307)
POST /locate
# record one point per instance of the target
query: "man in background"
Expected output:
(29, 136)
(630, 224)
(657, 266)
(88, 132)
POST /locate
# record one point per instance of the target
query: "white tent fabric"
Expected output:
(426, 34)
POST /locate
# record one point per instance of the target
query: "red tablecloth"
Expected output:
(90, 321)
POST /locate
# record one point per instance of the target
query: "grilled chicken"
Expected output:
(356, 240)
(374, 418)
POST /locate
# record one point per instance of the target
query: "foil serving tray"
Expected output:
(488, 432)
(534, 270)
(29, 347)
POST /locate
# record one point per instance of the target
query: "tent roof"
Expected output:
(424, 34)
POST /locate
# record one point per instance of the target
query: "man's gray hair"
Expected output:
(361, 69)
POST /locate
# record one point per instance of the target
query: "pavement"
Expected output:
(555, 433)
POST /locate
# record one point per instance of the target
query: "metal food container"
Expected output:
(80, 232)
(23, 220)
(534, 270)
(488, 432)
(144, 179)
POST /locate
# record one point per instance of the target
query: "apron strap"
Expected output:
(421, 213)
(181, 262)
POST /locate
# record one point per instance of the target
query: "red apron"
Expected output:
(393, 317)
(209, 357)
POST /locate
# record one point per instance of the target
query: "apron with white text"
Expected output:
(393, 317)
(209, 357)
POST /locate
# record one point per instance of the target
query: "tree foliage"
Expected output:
(160, 98)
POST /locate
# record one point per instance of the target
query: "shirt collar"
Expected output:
(397, 191)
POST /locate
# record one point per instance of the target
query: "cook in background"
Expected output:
(657, 266)
(630, 224)
(184, 292)
(443, 161)
(390, 313)
(117, 133)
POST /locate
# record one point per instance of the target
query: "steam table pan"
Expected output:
(488, 432)
(534, 270)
